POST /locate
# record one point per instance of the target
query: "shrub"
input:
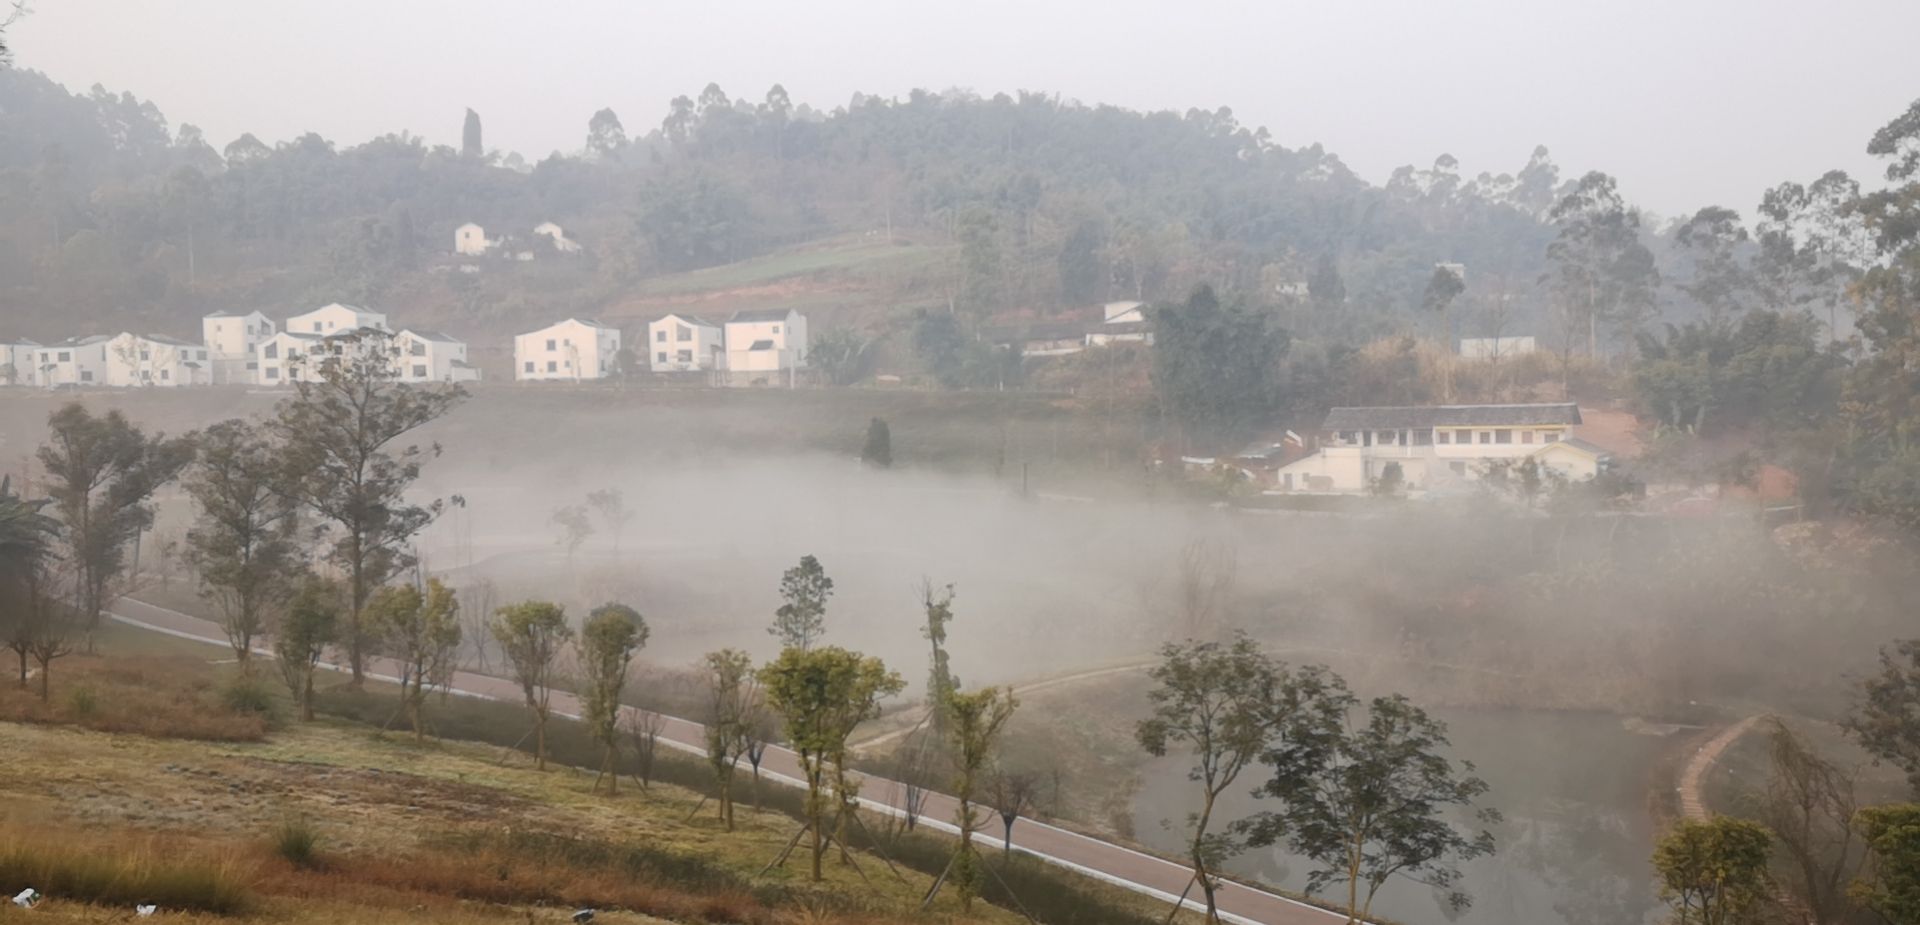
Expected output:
(298, 842)
(84, 703)
(249, 696)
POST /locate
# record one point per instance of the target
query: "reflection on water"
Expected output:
(1573, 847)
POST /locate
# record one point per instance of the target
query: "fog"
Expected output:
(1661, 95)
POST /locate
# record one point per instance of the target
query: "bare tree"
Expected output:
(1014, 793)
(643, 730)
(574, 527)
(483, 597)
(1809, 804)
(733, 701)
(611, 505)
(1208, 570)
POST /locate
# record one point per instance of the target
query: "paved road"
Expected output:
(1102, 860)
(1693, 804)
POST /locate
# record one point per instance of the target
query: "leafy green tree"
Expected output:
(1892, 885)
(470, 141)
(839, 354)
(1444, 287)
(974, 723)
(244, 545)
(531, 636)
(937, 604)
(692, 220)
(1368, 802)
(802, 616)
(102, 473)
(878, 450)
(1715, 872)
(1811, 246)
(822, 695)
(1215, 368)
(1715, 242)
(1599, 269)
(733, 706)
(1886, 720)
(1224, 705)
(312, 624)
(608, 641)
(1885, 392)
(1326, 287)
(336, 436)
(421, 630)
(606, 137)
(1764, 371)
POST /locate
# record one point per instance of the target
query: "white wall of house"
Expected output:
(781, 337)
(569, 351)
(336, 319)
(561, 242)
(680, 344)
(148, 361)
(428, 356)
(1349, 462)
(470, 240)
(231, 341)
(81, 361)
(1125, 312)
(275, 359)
(1495, 348)
(19, 363)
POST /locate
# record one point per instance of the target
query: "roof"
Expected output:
(425, 334)
(1576, 443)
(82, 341)
(1451, 416)
(169, 341)
(752, 316)
(688, 319)
(761, 345)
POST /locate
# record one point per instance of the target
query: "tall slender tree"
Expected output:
(337, 436)
(102, 473)
(1599, 270)
(733, 703)
(243, 545)
(608, 641)
(822, 695)
(471, 145)
(802, 616)
(311, 625)
(421, 631)
(974, 722)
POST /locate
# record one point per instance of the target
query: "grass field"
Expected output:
(460, 829)
(853, 256)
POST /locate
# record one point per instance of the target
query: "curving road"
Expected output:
(1093, 857)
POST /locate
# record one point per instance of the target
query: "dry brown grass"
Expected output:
(124, 868)
(169, 698)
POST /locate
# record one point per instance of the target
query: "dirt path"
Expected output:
(1114, 864)
(1693, 777)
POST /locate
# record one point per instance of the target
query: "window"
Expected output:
(419, 371)
(660, 357)
(660, 337)
(552, 345)
(1346, 436)
(418, 349)
(552, 367)
(529, 366)
(683, 333)
(1486, 436)
(1422, 437)
(144, 355)
(166, 374)
(685, 356)
(1458, 467)
(86, 375)
(317, 328)
(65, 356)
(272, 352)
(252, 366)
(1503, 436)
(1526, 436)
(1549, 436)
(273, 372)
(1443, 436)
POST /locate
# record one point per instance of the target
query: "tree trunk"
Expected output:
(813, 826)
(23, 669)
(540, 743)
(1353, 885)
(1200, 872)
(306, 698)
(46, 677)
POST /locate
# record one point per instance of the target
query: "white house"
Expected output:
(420, 355)
(76, 361)
(571, 350)
(231, 341)
(470, 240)
(155, 361)
(19, 362)
(683, 343)
(1439, 447)
(1123, 322)
(336, 319)
(561, 242)
(281, 359)
(763, 343)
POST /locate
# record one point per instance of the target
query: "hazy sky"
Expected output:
(1688, 102)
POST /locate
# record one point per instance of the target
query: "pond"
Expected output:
(1573, 846)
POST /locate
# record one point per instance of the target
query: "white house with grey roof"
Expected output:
(683, 343)
(1439, 447)
(766, 345)
(76, 361)
(148, 361)
(420, 355)
(19, 362)
(568, 351)
(336, 318)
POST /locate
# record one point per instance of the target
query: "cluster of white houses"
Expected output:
(762, 347)
(751, 347)
(235, 349)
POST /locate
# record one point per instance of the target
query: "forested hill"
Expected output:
(1000, 208)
